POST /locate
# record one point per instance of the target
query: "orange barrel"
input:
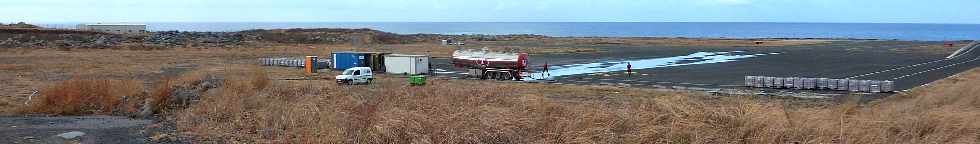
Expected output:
(310, 64)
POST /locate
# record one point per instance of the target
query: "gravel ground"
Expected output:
(96, 129)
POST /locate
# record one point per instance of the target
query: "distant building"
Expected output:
(451, 42)
(114, 28)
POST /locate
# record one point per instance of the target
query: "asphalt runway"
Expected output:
(897, 61)
(919, 74)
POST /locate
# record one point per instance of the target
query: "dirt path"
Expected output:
(96, 129)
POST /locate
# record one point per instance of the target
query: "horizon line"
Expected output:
(786, 22)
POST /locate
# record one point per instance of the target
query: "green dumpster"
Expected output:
(416, 80)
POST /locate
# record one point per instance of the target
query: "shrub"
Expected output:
(161, 96)
(81, 96)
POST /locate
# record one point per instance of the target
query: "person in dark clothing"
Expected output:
(629, 69)
(545, 70)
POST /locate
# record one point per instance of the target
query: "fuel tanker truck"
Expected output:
(486, 64)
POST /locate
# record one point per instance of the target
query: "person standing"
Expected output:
(545, 70)
(629, 70)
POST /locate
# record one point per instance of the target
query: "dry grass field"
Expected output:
(253, 104)
(23, 70)
(460, 111)
(932, 49)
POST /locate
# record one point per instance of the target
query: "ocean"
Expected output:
(899, 31)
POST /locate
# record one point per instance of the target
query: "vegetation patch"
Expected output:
(83, 96)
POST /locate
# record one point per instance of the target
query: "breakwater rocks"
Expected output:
(59, 38)
(41, 38)
(178, 39)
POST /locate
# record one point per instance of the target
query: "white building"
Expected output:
(407, 64)
(114, 28)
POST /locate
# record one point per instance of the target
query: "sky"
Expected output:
(828, 11)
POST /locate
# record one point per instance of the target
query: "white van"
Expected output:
(355, 75)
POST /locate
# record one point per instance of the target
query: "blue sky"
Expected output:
(873, 11)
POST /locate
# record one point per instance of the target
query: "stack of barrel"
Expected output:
(313, 61)
(874, 86)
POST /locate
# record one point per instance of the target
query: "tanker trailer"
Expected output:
(486, 64)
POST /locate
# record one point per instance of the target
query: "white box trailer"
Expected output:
(843, 84)
(788, 82)
(854, 85)
(865, 85)
(769, 81)
(832, 84)
(809, 83)
(823, 83)
(406, 64)
(760, 81)
(875, 86)
(799, 83)
(750, 81)
(778, 82)
(887, 86)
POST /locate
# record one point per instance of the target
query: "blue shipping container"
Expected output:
(346, 60)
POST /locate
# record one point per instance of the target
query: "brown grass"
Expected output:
(451, 111)
(81, 96)
(938, 49)
(161, 96)
(22, 70)
(251, 107)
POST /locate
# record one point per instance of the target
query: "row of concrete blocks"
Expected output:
(292, 62)
(874, 86)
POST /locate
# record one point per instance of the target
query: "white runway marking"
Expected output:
(943, 67)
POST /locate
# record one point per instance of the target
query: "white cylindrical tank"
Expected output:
(489, 59)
